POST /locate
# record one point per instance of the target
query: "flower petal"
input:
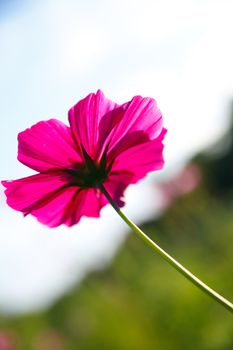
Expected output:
(137, 117)
(86, 202)
(56, 210)
(25, 193)
(47, 145)
(68, 206)
(141, 159)
(50, 198)
(85, 117)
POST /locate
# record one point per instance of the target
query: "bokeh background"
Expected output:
(96, 286)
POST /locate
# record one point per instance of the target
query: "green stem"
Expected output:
(186, 273)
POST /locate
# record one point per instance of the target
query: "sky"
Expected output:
(54, 53)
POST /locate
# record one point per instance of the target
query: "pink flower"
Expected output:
(109, 144)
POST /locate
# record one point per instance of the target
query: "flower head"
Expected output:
(105, 144)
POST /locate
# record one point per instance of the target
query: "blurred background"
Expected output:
(95, 285)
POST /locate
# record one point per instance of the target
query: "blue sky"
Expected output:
(55, 52)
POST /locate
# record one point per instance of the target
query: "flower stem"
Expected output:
(186, 273)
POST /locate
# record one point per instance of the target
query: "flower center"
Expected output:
(91, 173)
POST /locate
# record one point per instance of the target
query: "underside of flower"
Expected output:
(105, 145)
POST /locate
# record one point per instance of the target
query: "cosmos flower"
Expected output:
(106, 144)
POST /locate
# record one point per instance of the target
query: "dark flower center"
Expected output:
(91, 173)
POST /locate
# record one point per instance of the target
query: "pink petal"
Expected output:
(68, 206)
(56, 210)
(50, 198)
(141, 159)
(25, 193)
(47, 145)
(85, 203)
(85, 117)
(129, 140)
(138, 118)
